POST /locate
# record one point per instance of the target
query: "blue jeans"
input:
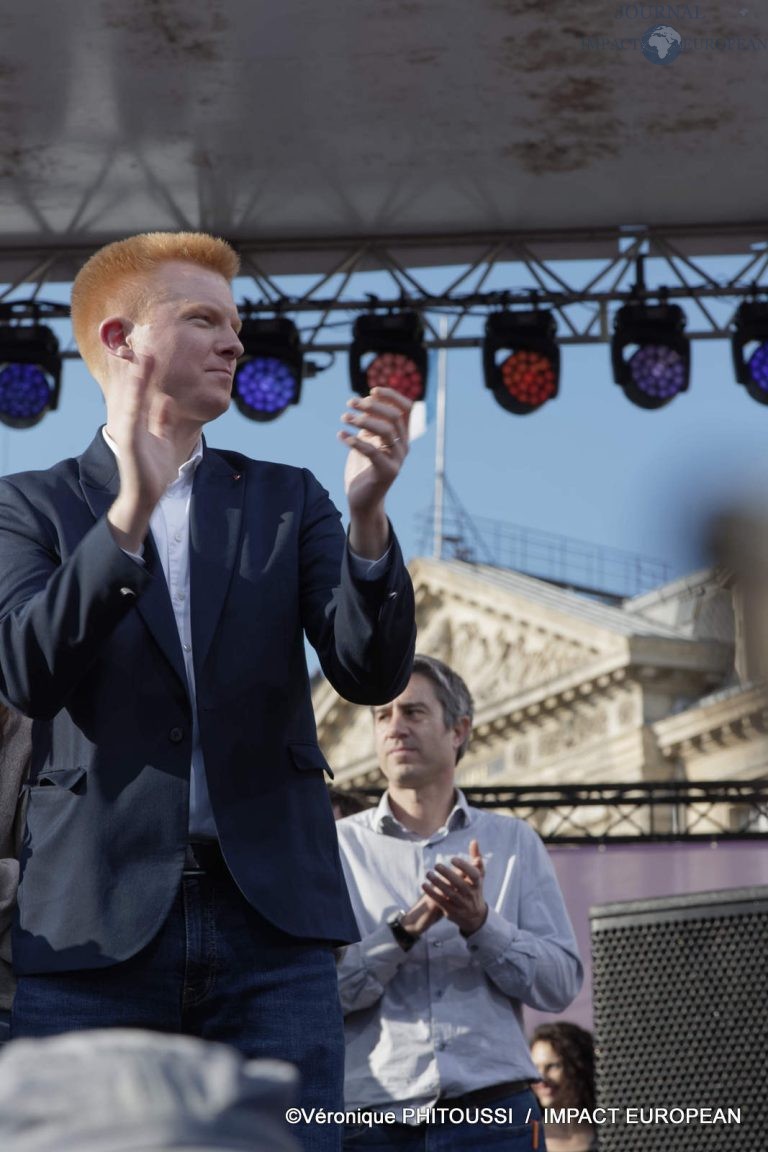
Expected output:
(516, 1127)
(217, 970)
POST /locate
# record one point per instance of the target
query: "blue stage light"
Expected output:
(24, 394)
(266, 385)
(269, 373)
(30, 374)
(750, 348)
(758, 368)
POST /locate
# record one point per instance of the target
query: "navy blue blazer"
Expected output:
(89, 648)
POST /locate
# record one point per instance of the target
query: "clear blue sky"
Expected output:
(588, 465)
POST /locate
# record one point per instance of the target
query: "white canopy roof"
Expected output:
(300, 126)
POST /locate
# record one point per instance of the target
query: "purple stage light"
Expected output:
(650, 353)
(265, 386)
(658, 371)
(25, 395)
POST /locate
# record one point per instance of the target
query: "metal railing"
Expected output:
(616, 813)
(572, 563)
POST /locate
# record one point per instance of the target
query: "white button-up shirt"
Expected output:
(445, 1018)
(169, 524)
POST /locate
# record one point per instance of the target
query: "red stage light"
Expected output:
(396, 371)
(521, 359)
(388, 352)
(529, 377)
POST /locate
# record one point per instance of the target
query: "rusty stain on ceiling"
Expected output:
(373, 118)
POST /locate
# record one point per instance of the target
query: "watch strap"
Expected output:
(405, 939)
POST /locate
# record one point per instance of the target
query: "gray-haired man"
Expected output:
(462, 922)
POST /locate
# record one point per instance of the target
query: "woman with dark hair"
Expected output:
(565, 1058)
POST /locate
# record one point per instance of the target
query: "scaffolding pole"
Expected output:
(442, 380)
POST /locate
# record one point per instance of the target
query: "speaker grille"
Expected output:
(681, 1020)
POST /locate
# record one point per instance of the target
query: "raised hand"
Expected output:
(139, 423)
(375, 458)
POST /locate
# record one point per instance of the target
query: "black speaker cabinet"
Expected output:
(680, 991)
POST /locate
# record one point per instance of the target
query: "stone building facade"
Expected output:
(569, 690)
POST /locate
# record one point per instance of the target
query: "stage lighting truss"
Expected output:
(388, 352)
(521, 359)
(30, 374)
(749, 344)
(269, 373)
(650, 353)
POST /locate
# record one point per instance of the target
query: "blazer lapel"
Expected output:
(214, 536)
(100, 481)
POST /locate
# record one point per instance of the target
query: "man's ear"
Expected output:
(115, 336)
(461, 731)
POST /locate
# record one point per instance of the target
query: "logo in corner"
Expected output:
(661, 44)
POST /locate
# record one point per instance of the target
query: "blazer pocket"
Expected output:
(308, 758)
(54, 779)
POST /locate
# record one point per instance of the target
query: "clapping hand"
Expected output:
(458, 890)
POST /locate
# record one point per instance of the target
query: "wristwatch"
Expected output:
(405, 939)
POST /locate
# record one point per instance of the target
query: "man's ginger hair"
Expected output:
(113, 281)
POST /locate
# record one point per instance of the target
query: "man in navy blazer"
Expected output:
(180, 869)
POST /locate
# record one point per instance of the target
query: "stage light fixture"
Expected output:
(269, 373)
(650, 353)
(30, 374)
(388, 352)
(749, 344)
(521, 359)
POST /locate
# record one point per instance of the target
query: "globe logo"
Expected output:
(661, 44)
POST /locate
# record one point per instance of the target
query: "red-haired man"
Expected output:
(180, 868)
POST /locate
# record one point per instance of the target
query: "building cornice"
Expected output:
(720, 721)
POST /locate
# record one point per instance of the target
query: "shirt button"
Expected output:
(187, 647)
(179, 595)
(176, 735)
(437, 943)
(177, 537)
(441, 1045)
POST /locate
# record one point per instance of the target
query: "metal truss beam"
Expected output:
(710, 270)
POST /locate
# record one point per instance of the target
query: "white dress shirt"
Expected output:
(445, 1017)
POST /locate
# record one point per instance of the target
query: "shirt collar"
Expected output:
(187, 469)
(385, 822)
